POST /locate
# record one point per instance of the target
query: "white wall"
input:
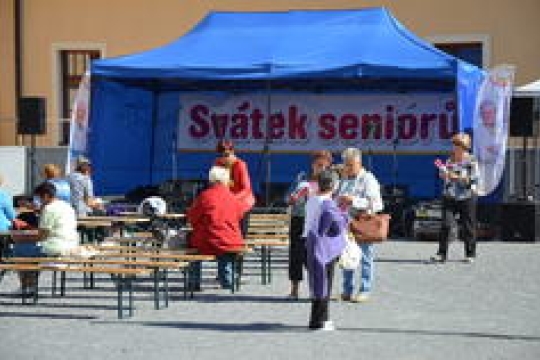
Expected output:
(15, 162)
(13, 168)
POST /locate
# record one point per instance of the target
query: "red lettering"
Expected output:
(256, 122)
(240, 126)
(448, 127)
(200, 128)
(407, 125)
(277, 126)
(389, 123)
(425, 126)
(297, 124)
(371, 126)
(220, 123)
(348, 127)
(327, 126)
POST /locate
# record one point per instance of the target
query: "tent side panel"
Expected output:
(120, 136)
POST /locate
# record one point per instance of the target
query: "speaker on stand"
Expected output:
(31, 120)
(525, 123)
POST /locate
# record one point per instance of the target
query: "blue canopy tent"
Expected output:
(135, 98)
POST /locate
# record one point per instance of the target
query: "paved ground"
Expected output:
(487, 310)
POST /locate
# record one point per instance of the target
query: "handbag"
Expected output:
(351, 255)
(370, 227)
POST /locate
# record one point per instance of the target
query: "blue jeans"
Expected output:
(366, 274)
(224, 265)
(225, 270)
(28, 250)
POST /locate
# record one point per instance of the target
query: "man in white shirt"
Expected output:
(57, 233)
(57, 222)
(82, 188)
(358, 190)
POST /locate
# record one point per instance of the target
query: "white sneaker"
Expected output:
(327, 326)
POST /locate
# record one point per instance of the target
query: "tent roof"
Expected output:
(314, 44)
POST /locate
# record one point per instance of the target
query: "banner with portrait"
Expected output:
(490, 126)
(78, 135)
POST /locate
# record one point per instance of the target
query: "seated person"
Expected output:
(27, 216)
(57, 232)
(7, 212)
(53, 174)
(215, 217)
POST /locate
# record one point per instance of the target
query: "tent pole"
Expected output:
(153, 133)
(266, 149)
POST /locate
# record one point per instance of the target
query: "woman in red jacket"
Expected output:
(240, 184)
(215, 218)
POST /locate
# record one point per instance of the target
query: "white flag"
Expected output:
(78, 136)
(490, 126)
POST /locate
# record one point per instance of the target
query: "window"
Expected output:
(73, 65)
(471, 52)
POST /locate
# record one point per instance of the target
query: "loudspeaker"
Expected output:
(32, 116)
(524, 116)
(520, 221)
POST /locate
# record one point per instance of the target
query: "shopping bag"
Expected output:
(370, 227)
(351, 255)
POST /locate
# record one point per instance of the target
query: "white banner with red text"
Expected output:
(306, 122)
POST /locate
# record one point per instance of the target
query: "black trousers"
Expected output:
(465, 226)
(297, 249)
(319, 307)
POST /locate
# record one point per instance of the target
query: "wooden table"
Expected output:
(170, 216)
(116, 219)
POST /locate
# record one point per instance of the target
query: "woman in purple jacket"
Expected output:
(326, 225)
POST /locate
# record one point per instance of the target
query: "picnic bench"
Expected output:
(267, 231)
(178, 255)
(159, 268)
(124, 276)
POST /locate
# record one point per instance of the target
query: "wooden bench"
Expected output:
(267, 231)
(160, 271)
(135, 252)
(125, 278)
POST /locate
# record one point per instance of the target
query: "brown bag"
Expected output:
(370, 227)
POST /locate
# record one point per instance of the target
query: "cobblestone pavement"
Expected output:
(486, 310)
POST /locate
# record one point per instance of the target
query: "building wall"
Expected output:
(7, 74)
(509, 29)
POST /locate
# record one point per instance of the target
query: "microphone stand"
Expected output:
(173, 159)
(394, 191)
(370, 148)
(395, 143)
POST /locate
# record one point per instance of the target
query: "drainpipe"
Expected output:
(17, 15)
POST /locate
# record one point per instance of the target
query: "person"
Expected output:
(460, 177)
(302, 189)
(7, 211)
(215, 218)
(358, 191)
(57, 232)
(82, 188)
(52, 174)
(488, 145)
(240, 184)
(326, 230)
